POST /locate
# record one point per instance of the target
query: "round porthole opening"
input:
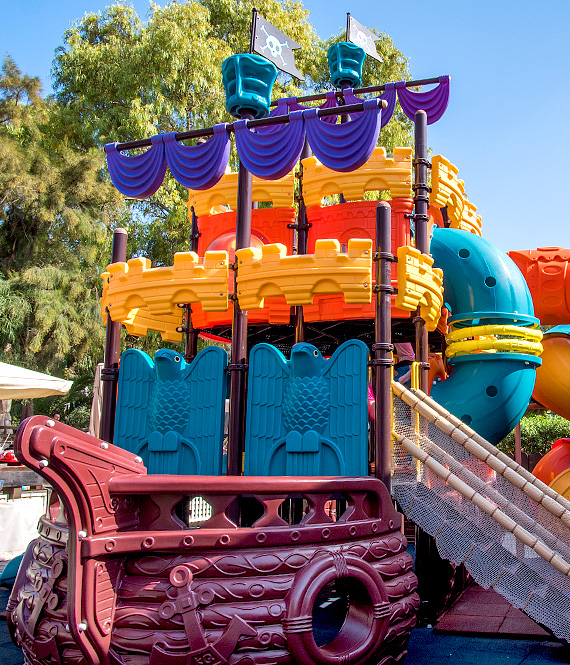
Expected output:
(463, 253)
(490, 282)
(467, 419)
(342, 615)
(492, 391)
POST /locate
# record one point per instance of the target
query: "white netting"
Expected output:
(465, 534)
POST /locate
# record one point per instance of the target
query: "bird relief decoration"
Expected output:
(307, 416)
(171, 413)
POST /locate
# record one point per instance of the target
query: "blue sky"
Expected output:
(506, 127)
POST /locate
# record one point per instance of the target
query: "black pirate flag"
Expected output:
(361, 36)
(274, 45)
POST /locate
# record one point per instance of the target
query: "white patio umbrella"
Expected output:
(20, 383)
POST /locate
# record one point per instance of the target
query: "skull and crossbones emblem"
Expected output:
(361, 38)
(274, 45)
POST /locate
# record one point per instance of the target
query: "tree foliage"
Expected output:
(119, 79)
(538, 432)
(56, 208)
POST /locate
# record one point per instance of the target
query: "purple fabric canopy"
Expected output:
(271, 156)
(434, 102)
(272, 151)
(388, 96)
(347, 146)
(284, 106)
(202, 165)
(140, 176)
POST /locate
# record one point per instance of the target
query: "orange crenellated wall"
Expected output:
(547, 273)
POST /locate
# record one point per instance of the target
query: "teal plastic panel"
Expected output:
(307, 416)
(490, 392)
(172, 413)
(345, 64)
(248, 81)
(480, 281)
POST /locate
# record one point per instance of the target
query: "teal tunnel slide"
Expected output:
(483, 286)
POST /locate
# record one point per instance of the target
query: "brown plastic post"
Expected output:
(238, 366)
(421, 217)
(382, 361)
(110, 371)
(302, 240)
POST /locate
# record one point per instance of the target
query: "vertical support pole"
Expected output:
(191, 333)
(238, 366)
(110, 371)
(302, 228)
(382, 361)
(518, 444)
(421, 217)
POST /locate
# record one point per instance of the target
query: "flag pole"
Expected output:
(253, 22)
(347, 26)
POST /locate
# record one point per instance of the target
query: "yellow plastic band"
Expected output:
(508, 345)
(533, 334)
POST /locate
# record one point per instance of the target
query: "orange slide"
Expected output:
(547, 273)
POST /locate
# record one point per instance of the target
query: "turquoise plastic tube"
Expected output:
(482, 285)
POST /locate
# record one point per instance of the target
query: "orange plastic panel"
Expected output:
(269, 271)
(281, 192)
(547, 273)
(552, 385)
(378, 173)
(555, 462)
(268, 226)
(419, 285)
(354, 220)
(448, 190)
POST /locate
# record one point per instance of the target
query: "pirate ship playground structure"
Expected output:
(301, 557)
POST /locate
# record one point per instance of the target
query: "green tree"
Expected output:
(56, 211)
(539, 430)
(119, 79)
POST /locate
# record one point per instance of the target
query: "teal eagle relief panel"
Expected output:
(172, 413)
(307, 416)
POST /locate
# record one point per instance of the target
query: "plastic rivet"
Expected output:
(365, 286)
(81, 535)
(188, 541)
(104, 445)
(261, 537)
(50, 423)
(221, 293)
(374, 527)
(43, 463)
(138, 460)
(325, 533)
(352, 530)
(147, 543)
(295, 535)
(110, 545)
(225, 539)
(82, 627)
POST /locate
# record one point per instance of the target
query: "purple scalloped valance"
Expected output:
(196, 167)
(140, 176)
(199, 166)
(271, 156)
(433, 102)
(347, 146)
(290, 104)
(388, 96)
